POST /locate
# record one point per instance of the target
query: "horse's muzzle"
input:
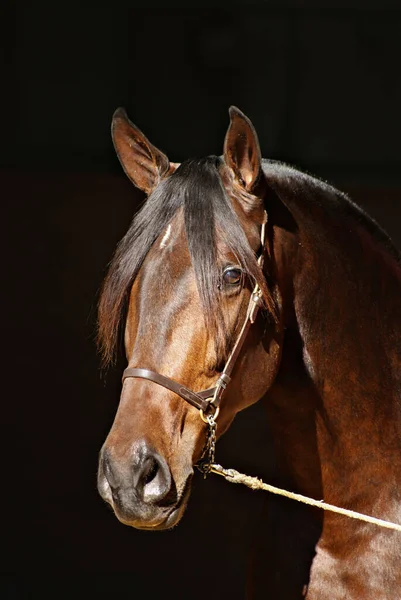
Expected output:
(141, 490)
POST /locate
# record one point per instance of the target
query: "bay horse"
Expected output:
(242, 280)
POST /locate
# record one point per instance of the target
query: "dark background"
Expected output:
(322, 87)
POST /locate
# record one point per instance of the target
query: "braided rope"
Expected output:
(257, 484)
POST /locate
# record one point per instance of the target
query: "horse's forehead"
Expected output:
(172, 240)
(165, 278)
(169, 256)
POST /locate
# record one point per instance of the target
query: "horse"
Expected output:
(244, 280)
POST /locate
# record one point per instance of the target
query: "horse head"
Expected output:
(180, 284)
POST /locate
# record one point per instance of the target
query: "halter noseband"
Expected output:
(211, 397)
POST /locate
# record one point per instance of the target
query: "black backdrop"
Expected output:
(322, 88)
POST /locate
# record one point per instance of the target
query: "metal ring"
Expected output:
(215, 414)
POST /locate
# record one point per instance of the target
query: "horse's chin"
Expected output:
(168, 518)
(172, 519)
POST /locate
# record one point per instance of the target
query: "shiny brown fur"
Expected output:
(324, 358)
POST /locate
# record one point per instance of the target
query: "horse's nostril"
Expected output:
(142, 476)
(150, 471)
(110, 472)
(151, 475)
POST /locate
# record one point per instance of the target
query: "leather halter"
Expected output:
(210, 397)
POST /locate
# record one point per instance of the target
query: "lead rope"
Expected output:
(255, 483)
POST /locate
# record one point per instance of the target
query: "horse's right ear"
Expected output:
(144, 164)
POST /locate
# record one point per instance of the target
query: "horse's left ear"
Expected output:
(142, 162)
(242, 151)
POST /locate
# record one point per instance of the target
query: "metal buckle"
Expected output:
(206, 418)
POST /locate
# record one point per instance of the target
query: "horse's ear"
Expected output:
(242, 151)
(144, 164)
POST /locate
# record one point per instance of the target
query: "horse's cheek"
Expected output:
(261, 370)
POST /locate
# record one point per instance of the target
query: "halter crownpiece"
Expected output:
(208, 399)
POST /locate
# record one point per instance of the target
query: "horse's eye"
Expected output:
(232, 276)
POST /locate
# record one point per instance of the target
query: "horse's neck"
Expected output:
(335, 407)
(337, 398)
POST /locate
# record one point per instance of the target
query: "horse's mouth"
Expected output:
(176, 512)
